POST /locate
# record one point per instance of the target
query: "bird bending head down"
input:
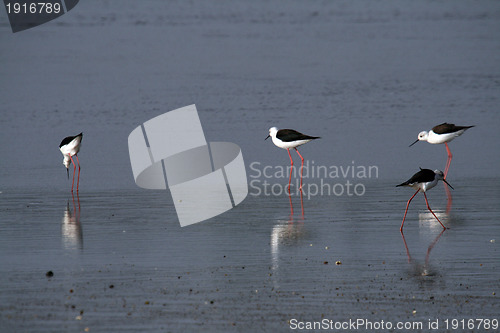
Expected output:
(69, 147)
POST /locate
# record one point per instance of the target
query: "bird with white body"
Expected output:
(442, 133)
(69, 147)
(423, 181)
(289, 138)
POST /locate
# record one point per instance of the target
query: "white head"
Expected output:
(272, 132)
(440, 176)
(67, 163)
(422, 136)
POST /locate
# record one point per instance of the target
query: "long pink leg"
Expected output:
(289, 181)
(448, 161)
(406, 247)
(301, 168)
(406, 211)
(291, 162)
(432, 211)
(77, 212)
(74, 170)
(448, 193)
(302, 203)
(78, 181)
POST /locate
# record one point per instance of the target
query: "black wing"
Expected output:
(423, 176)
(448, 128)
(288, 135)
(68, 139)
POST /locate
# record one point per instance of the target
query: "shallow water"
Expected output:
(121, 261)
(365, 76)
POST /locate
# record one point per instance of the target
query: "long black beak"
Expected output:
(267, 137)
(413, 143)
(444, 180)
(67, 171)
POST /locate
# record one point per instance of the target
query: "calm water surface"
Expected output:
(365, 76)
(121, 261)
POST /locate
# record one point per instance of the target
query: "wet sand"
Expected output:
(122, 263)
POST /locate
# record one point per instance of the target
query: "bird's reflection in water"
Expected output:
(286, 233)
(427, 221)
(449, 201)
(71, 229)
(423, 271)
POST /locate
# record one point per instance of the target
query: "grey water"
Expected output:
(365, 76)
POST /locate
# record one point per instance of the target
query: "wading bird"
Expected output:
(286, 139)
(423, 181)
(69, 147)
(442, 133)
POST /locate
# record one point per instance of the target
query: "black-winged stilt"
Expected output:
(69, 147)
(288, 138)
(423, 181)
(442, 133)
